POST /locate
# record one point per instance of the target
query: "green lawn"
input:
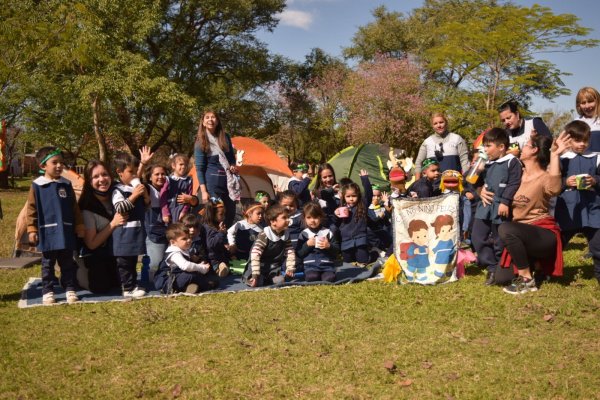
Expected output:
(367, 340)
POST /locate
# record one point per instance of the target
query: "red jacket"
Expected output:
(552, 265)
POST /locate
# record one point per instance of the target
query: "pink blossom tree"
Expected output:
(384, 104)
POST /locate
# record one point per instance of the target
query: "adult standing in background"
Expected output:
(215, 164)
(449, 149)
(519, 129)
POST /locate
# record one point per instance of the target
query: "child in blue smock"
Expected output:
(176, 194)
(299, 182)
(53, 222)
(578, 206)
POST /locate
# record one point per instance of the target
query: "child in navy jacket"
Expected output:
(317, 246)
(426, 185)
(129, 198)
(352, 221)
(502, 176)
(299, 183)
(176, 194)
(53, 222)
(216, 236)
(578, 206)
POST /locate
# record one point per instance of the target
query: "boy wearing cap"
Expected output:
(53, 220)
(299, 183)
(425, 186)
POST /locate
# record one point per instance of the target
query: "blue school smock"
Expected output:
(423, 188)
(130, 239)
(444, 251)
(215, 244)
(314, 259)
(576, 209)
(502, 177)
(54, 202)
(176, 186)
(243, 234)
(153, 222)
(379, 227)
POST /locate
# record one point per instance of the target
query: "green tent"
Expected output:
(371, 156)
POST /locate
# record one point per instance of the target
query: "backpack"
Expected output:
(404, 251)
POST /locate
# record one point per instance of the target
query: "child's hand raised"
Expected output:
(145, 155)
(363, 172)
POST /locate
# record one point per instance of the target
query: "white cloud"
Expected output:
(296, 18)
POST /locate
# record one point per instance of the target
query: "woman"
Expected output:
(520, 129)
(100, 220)
(533, 234)
(449, 149)
(215, 165)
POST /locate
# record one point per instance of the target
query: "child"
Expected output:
(53, 222)
(317, 246)
(289, 200)
(178, 273)
(155, 177)
(425, 186)
(587, 104)
(216, 236)
(352, 222)
(379, 225)
(176, 194)
(243, 233)
(263, 198)
(129, 198)
(299, 183)
(270, 250)
(502, 176)
(578, 206)
(198, 251)
(327, 192)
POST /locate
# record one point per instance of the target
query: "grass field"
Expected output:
(367, 340)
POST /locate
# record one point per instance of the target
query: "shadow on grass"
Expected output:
(579, 246)
(473, 269)
(10, 297)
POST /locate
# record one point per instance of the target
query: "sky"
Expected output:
(331, 24)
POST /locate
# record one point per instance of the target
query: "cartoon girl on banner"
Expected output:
(446, 247)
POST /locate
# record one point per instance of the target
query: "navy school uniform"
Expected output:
(173, 187)
(55, 205)
(313, 258)
(502, 177)
(300, 187)
(129, 239)
(171, 279)
(379, 227)
(215, 244)
(274, 251)
(153, 222)
(243, 234)
(198, 250)
(423, 188)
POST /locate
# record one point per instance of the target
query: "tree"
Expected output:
(478, 53)
(130, 73)
(384, 104)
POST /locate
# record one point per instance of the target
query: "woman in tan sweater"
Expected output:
(533, 234)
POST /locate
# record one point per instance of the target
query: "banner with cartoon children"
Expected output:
(426, 238)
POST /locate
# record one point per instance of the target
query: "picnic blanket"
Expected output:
(31, 294)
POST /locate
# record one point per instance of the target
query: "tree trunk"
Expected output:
(102, 150)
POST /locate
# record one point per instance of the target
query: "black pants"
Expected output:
(359, 254)
(205, 282)
(593, 237)
(68, 270)
(487, 243)
(127, 272)
(526, 243)
(103, 274)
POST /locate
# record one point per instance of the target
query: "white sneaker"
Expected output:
(72, 297)
(48, 299)
(134, 293)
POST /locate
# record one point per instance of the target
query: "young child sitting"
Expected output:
(299, 183)
(176, 194)
(270, 250)
(424, 187)
(177, 272)
(129, 240)
(53, 221)
(216, 236)
(578, 206)
(379, 224)
(502, 176)
(317, 246)
(243, 233)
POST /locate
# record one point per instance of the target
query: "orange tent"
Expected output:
(261, 168)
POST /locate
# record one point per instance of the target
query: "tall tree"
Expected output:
(478, 53)
(384, 104)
